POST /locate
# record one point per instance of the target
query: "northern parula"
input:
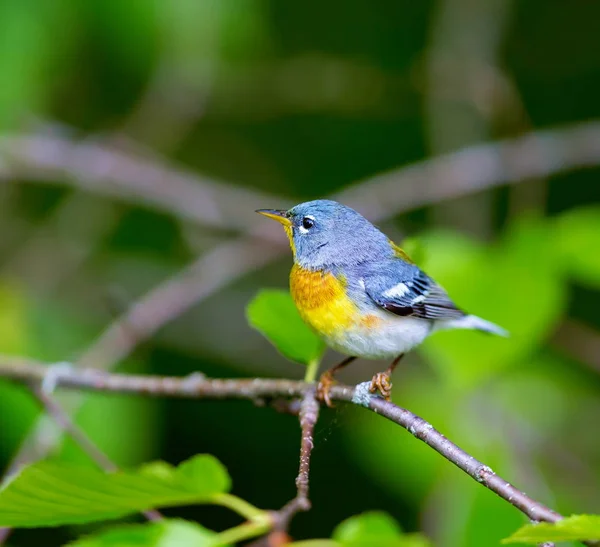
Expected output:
(360, 292)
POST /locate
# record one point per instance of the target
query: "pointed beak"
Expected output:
(276, 214)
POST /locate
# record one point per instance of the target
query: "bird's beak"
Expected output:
(276, 214)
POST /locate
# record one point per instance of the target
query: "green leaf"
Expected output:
(573, 528)
(483, 281)
(368, 525)
(166, 533)
(375, 528)
(577, 241)
(274, 314)
(25, 42)
(57, 493)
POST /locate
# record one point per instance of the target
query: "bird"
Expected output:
(360, 292)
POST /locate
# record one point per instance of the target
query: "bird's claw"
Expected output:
(326, 381)
(382, 383)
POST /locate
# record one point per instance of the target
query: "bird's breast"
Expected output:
(322, 301)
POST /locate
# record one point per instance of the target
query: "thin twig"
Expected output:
(198, 387)
(483, 474)
(309, 414)
(80, 437)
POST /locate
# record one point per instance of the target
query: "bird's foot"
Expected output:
(326, 381)
(382, 383)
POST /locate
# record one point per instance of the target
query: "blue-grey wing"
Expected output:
(404, 289)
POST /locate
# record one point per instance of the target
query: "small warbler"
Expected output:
(360, 292)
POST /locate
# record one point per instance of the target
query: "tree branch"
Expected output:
(98, 166)
(309, 414)
(50, 156)
(476, 168)
(208, 274)
(199, 387)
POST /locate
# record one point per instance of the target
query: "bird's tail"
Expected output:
(472, 322)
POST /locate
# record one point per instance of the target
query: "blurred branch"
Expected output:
(62, 419)
(133, 177)
(101, 168)
(476, 168)
(199, 387)
(208, 274)
(60, 248)
(461, 95)
(169, 108)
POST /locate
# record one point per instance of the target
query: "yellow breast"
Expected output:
(322, 302)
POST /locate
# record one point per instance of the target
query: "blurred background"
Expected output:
(138, 137)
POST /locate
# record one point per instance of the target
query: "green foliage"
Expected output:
(414, 248)
(578, 244)
(573, 528)
(166, 533)
(273, 313)
(375, 528)
(26, 59)
(56, 493)
(15, 338)
(297, 101)
(502, 280)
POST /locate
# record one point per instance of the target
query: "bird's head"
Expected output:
(324, 233)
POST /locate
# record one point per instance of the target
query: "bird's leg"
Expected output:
(382, 381)
(327, 380)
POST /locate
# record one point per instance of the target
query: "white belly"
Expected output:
(388, 339)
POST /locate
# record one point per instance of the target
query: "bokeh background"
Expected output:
(136, 139)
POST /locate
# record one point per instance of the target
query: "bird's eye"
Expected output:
(308, 223)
